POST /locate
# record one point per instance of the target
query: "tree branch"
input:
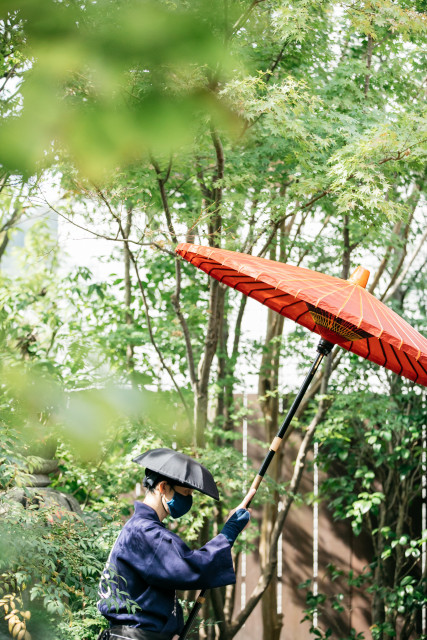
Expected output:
(244, 17)
(184, 326)
(324, 225)
(3, 181)
(404, 273)
(146, 308)
(268, 75)
(398, 156)
(385, 260)
(130, 363)
(161, 182)
(178, 275)
(154, 343)
(16, 215)
(215, 226)
(8, 76)
(157, 245)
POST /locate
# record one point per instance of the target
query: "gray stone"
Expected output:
(45, 466)
(48, 496)
(39, 480)
(17, 494)
(52, 497)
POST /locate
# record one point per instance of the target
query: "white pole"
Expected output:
(315, 529)
(279, 568)
(245, 468)
(424, 521)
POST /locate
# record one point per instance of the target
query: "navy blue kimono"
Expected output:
(148, 563)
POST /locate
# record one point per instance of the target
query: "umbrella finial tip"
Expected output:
(360, 276)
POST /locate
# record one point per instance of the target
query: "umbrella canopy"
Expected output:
(341, 311)
(181, 468)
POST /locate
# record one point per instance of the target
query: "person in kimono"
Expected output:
(148, 563)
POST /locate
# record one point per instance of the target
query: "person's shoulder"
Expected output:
(141, 533)
(145, 513)
(144, 520)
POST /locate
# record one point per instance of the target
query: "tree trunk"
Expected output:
(6, 228)
(345, 272)
(268, 383)
(216, 310)
(130, 364)
(222, 372)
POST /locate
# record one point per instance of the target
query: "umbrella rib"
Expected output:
(350, 284)
(288, 280)
(361, 308)
(286, 306)
(256, 290)
(310, 276)
(391, 319)
(319, 287)
(239, 283)
(402, 324)
(232, 275)
(211, 262)
(384, 354)
(369, 348)
(419, 363)
(250, 282)
(412, 366)
(302, 314)
(277, 297)
(397, 358)
(237, 275)
(350, 294)
(214, 268)
(277, 272)
(217, 267)
(376, 315)
(315, 282)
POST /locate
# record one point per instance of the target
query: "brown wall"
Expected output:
(336, 545)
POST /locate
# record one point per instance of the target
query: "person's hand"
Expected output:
(243, 505)
(238, 519)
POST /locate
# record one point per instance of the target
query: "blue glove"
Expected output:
(235, 525)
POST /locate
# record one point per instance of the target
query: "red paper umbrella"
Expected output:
(341, 311)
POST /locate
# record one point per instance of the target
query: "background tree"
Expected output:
(290, 132)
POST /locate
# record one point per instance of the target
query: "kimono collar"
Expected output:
(144, 511)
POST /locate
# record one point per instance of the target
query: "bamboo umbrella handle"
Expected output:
(245, 504)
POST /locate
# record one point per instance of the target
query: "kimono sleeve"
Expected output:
(176, 565)
(163, 560)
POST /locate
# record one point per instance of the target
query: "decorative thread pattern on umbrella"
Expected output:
(337, 325)
(384, 337)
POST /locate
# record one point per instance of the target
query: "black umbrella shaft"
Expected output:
(323, 348)
(193, 615)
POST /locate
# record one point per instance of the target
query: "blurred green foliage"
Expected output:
(109, 81)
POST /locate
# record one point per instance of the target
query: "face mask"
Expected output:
(179, 505)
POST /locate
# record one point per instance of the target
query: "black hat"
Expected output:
(181, 469)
